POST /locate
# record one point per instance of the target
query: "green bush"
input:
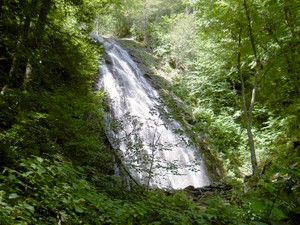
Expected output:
(49, 191)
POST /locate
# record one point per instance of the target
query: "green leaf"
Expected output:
(78, 209)
(26, 174)
(39, 159)
(13, 196)
(259, 204)
(11, 177)
(66, 201)
(29, 207)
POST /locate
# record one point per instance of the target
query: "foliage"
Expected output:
(177, 44)
(256, 201)
(211, 84)
(137, 18)
(48, 106)
(43, 191)
(48, 65)
(210, 79)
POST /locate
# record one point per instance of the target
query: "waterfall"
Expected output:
(153, 145)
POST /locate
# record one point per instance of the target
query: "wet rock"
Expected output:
(190, 188)
(107, 58)
(217, 187)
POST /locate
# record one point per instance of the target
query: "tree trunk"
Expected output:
(18, 67)
(15, 77)
(248, 112)
(38, 34)
(40, 27)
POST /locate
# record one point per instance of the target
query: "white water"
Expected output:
(155, 154)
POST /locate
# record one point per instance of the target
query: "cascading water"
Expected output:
(152, 144)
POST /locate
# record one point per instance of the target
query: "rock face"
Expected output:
(182, 111)
(217, 187)
(155, 153)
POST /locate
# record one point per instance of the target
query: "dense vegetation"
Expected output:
(235, 64)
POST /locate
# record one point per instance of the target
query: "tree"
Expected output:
(257, 65)
(252, 41)
(29, 28)
(45, 48)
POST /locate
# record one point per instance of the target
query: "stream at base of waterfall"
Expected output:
(153, 145)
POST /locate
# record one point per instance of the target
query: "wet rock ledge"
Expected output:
(216, 187)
